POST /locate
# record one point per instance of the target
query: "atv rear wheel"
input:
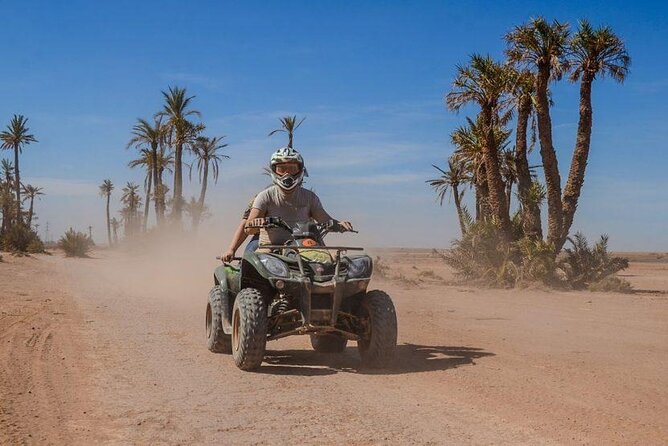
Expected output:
(249, 329)
(216, 339)
(378, 344)
(328, 343)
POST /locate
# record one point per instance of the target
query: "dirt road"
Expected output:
(111, 350)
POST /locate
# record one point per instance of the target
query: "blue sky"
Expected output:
(369, 76)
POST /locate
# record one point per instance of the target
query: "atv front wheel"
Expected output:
(249, 329)
(328, 343)
(378, 344)
(216, 339)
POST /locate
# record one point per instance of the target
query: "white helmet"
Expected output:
(287, 155)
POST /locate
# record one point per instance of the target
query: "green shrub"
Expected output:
(20, 238)
(585, 265)
(75, 244)
(482, 256)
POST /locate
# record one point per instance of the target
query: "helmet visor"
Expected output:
(282, 169)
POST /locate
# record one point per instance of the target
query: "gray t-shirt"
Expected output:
(300, 205)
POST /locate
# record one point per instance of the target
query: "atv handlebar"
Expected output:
(277, 222)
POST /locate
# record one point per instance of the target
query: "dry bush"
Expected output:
(75, 244)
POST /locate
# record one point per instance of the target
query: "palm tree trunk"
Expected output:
(509, 194)
(458, 205)
(550, 165)
(178, 183)
(497, 198)
(156, 185)
(530, 211)
(202, 194)
(482, 195)
(19, 218)
(108, 220)
(162, 194)
(579, 162)
(147, 204)
(32, 200)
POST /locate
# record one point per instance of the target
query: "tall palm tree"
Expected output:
(541, 47)
(31, 192)
(452, 179)
(206, 153)
(523, 92)
(595, 52)
(8, 207)
(288, 125)
(15, 138)
(147, 161)
(105, 190)
(152, 137)
(486, 83)
(176, 110)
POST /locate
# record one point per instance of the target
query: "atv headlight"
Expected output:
(360, 267)
(274, 265)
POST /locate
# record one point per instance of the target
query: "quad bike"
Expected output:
(302, 287)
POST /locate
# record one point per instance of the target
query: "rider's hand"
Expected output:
(255, 223)
(346, 226)
(228, 256)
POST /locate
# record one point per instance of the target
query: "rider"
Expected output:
(286, 199)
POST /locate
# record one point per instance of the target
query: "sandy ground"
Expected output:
(111, 350)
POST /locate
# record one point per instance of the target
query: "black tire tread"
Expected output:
(380, 348)
(252, 310)
(218, 341)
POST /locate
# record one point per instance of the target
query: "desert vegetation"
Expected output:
(503, 242)
(18, 230)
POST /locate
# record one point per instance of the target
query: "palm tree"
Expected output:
(206, 153)
(524, 98)
(15, 138)
(181, 132)
(7, 201)
(30, 193)
(486, 83)
(132, 201)
(146, 161)
(153, 138)
(594, 52)
(469, 142)
(452, 179)
(288, 125)
(105, 190)
(541, 47)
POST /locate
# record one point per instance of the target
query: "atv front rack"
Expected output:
(338, 249)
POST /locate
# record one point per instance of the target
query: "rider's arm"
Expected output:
(254, 213)
(237, 240)
(317, 211)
